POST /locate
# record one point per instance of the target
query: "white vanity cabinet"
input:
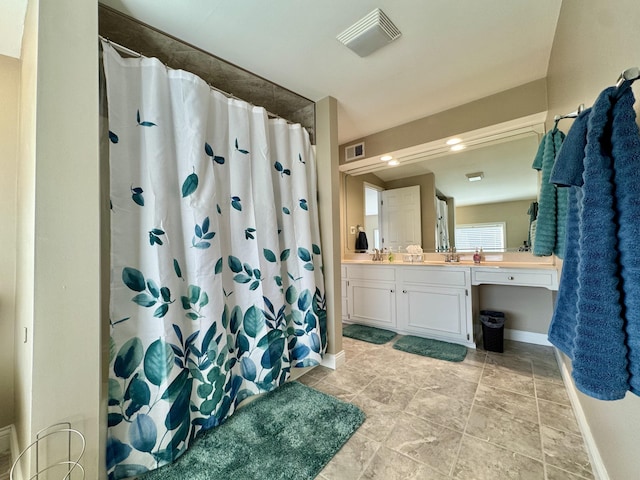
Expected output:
(371, 295)
(434, 302)
(430, 302)
(522, 277)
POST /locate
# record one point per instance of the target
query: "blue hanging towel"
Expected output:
(567, 174)
(625, 147)
(550, 213)
(600, 353)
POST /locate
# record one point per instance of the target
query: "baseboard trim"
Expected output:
(599, 470)
(526, 337)
(334, 360)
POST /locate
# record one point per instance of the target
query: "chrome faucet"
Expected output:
(451, 255)
(377, 255)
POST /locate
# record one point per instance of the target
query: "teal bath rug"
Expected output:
(428, 347)
(368, 334)
(290, 433)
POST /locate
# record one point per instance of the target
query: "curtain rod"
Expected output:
(129, 51)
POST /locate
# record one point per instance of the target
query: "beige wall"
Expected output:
(427, 185)
(594, 42)
(58, 262)
(25, 254)
(10, 94)
(329, 207)
(353, 205)
(526, 309)
(517, 102)
(514, 214)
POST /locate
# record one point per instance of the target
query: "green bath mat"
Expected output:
(290, 433)
(428, 347)
(368, 334)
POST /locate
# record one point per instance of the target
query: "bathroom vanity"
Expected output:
(434, 299)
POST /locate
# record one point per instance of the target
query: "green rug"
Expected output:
(368, 334)
(290, 433)
(428, 347)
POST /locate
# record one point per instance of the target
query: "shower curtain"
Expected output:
(442, 226)
(216, 278)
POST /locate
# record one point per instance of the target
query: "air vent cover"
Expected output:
(370, 33)
(354, 152)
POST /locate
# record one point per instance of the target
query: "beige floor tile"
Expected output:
(565, 451)
(521, 406)
(440, 409)
(547, 372)
(390, 392)
(390, 465)
(499, 398)
(455, 371)
(552, 392)
(493, 376)
(505, 430)
(350, 379)
(352, 459)
(440, 382)
(425, 442)
(380, 419)
(334, 391)
(558, 416)
(475, 357)
(510, 363)
(479, 460)
(554, 473)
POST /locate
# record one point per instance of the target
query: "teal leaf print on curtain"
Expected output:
(208, 309)
(136, 195)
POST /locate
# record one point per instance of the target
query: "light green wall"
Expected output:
(9, 117)
(594, 42)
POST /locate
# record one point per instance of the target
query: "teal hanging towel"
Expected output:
(552, 204)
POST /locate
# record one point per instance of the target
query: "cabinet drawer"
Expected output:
(529, 278)
(439, 276)
(371, 272)
(343, 271)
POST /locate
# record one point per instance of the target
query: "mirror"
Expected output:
(502, 197)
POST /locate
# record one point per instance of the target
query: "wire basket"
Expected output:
(69, 465)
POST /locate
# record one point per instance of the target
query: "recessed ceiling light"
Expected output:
(386, 158)
(453, 141)
(475, 177)
(393, 163)
(458, 147)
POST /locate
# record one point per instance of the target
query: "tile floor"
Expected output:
(493, 416)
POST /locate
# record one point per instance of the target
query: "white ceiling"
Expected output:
(450, 52)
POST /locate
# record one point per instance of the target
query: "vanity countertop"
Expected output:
(465, 264)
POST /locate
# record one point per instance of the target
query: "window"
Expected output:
(488, 236)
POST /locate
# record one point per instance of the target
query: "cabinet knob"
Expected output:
(404, 291)
(392, 290)
(510, 277)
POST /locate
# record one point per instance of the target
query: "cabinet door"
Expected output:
(372, 302)
(435, 312)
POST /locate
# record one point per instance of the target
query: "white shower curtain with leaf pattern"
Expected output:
(216, 278)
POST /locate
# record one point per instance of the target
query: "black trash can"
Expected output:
(492, 330)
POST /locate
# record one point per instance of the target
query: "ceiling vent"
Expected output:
(354, 152)
(372, 32)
